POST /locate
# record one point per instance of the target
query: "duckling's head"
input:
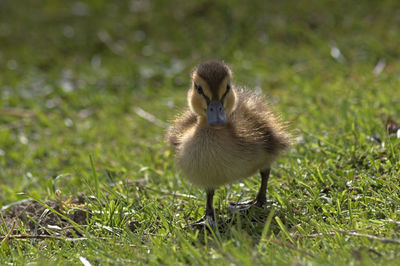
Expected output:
(212, 96)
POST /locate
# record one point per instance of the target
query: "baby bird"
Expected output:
(225, 135)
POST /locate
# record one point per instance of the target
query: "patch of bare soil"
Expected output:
(37, 219)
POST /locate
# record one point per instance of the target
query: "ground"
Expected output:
(87, 90)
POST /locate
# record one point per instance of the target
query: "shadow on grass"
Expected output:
(256, 222)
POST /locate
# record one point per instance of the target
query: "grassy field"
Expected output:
(78, 81)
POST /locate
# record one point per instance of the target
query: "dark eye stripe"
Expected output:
(198, 88)
(228, 87)
(200, 91)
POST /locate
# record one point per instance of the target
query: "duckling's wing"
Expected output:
(255, 123)
(180, 126)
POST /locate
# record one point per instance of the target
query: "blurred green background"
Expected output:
(75, 73)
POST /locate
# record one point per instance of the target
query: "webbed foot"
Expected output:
(244, 206)
(206, 220)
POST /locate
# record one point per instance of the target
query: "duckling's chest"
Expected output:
(211, 158)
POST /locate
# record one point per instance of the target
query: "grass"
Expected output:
(74, 74)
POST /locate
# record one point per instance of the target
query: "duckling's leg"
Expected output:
(261, 198)
(210, 209)
(208, 217)
(262, 193)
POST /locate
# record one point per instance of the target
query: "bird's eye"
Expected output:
(228, 87)
(198, 88)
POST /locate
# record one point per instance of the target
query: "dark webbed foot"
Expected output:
(206, 220)
(241, 206)
(260, 202)
(210, 221)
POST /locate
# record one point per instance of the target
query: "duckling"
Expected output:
(225, 135)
